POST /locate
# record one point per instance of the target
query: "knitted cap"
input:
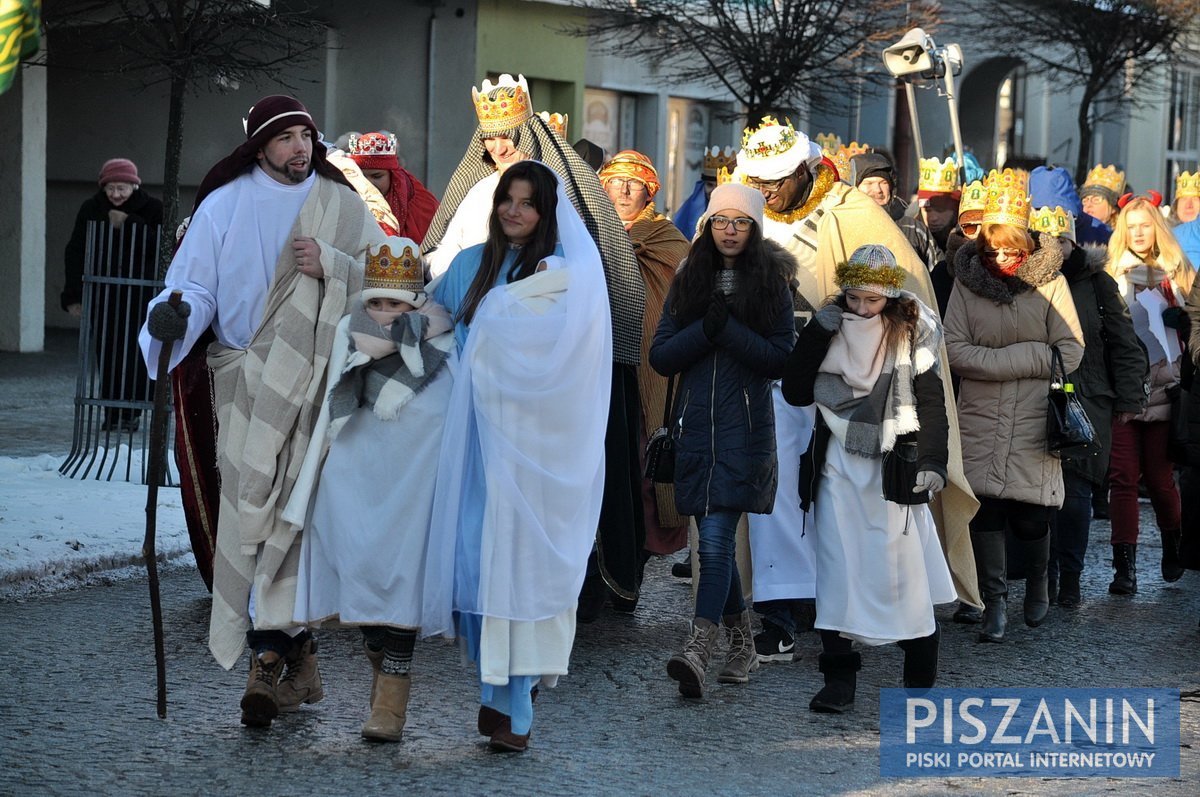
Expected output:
(119, 170)
(737, 196)
(872, 267)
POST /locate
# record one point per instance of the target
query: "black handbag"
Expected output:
(1068, 428)
(660, 448)
(900, 475)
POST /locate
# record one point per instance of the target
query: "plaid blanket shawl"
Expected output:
(268, 397)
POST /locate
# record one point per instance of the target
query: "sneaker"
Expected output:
(774, 644)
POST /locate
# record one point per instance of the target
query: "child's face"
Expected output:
(384, 310)
(867, 304)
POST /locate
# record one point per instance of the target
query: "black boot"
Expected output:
(1172, 565)
(1068, 591)
(921, 660)
(1037, 600)
(1125, 569)
(989, 568)
(967, 614)
(841, 678)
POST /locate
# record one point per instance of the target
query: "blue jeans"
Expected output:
(720, 590)
(1069, 531)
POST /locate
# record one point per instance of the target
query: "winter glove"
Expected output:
(1175, 318)
(167, 323)
(829, 317)
(716, 317)
(929, 481)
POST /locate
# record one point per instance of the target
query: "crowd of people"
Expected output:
(431, 417)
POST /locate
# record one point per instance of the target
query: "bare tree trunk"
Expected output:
(1083, 120)
(171, 166)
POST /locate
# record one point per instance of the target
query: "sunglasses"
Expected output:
(741, 224)
(969, 228)
(995, 254)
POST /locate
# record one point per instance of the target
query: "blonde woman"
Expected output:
(1144, 256)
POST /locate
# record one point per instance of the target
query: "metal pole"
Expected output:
(912, 116)
(952, 102)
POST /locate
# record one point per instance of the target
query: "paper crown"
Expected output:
(372, 144)
(974, 197)
(1053, 221)
(1106, 177)
(503, 105)
(716, 159)
(725, 175)
(828, 142)
(1007, 198)
(1187, 184)
(769, 139)
(395, 266)
(842, 155)
(936, 177)
(555, 121)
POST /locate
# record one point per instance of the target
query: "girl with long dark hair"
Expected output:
(726, 330)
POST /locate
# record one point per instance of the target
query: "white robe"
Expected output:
(468, 226)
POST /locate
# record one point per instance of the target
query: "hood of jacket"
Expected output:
(1039, 268)
(1084, 263)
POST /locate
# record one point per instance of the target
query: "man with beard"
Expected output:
(274, 251)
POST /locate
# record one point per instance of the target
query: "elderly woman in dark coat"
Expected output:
(726, 330)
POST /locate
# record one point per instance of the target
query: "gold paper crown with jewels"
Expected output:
(1007, 198)
(1106, 177)
(937, 176)
(1187, 184)
(555, 121)
(828, 142)
(372, 144)
(716, 159)
(725, 175)
(1053, 221)
(841, 157)
(766, 149)
(974, 197)
(394, 271)
(503, 105)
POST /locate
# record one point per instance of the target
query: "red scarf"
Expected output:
(997, 270)
(410, 201)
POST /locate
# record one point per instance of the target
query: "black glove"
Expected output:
(1175, 318)
(715, 318)
(167, 323)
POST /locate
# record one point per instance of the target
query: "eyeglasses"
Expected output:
(766, 185)
(1008, 254)
(624, 185)
(741, 223)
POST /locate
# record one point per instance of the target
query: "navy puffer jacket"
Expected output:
(724, 422)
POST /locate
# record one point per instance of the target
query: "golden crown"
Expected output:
(828, 142)
(555, 121)
(1187, 184)
(1053, 221)
(724, 175)
(372, 144)
(1007, 198)
(842, 155)
(785, 139)
(974, 197)
(716, 159)
(503, 105)
(1106, 177)
(937, 176)
(394, 271)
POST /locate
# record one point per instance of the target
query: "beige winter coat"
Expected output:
(998, 337)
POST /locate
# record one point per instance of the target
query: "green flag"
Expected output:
(19, 22)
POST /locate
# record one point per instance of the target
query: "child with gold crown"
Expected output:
(367, 519)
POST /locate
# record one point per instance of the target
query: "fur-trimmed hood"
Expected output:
(1084, 263)
(1039, 268)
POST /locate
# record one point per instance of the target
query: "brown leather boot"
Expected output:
(301, 680)
(259, 702)
(388, 709)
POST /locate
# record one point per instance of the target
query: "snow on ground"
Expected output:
(56, 531)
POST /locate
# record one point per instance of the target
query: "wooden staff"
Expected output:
(154, 474)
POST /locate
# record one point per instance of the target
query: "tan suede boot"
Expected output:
(301, 680)
(259, 702)
(388, 709)
(689, 665)
(742, 659)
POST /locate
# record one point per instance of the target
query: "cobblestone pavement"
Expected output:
(78, 713)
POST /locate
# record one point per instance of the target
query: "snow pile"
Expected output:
(55, 531)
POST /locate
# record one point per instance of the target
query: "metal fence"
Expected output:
(114, 396)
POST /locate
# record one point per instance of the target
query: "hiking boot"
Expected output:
(301, 680)
(774, 644)
(689, 666)
(388, 708)
(742, 659)
(259, 703)
(841, 677)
